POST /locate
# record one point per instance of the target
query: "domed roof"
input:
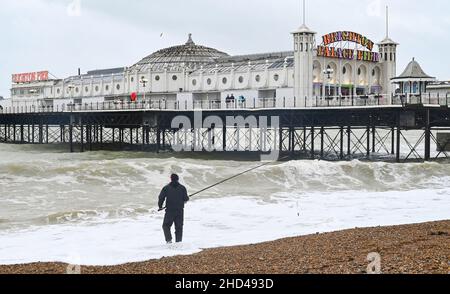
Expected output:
(188, 55)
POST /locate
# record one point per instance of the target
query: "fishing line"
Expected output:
(231, 178)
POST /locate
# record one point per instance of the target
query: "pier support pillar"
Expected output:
(71, 137)
(399, 134)
(313, 135)
(349, 141)
(322, 139)
(280, 141)
(304, 139)
(341, 155)
(368, 142)
(393, 141)
(82, 137)
(22, 135)
(41, 134)
(158, 140)
(374, 139)
(427, 137)
(143, 137)
(224, 137)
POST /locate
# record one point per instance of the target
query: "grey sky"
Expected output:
(54, 35)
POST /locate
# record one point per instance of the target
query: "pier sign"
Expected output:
(30, 77)
(362, 51)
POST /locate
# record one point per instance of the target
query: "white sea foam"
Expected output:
(220, 222)
(99, 206)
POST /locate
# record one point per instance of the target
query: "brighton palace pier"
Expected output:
(335, 97)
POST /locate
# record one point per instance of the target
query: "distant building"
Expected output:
(440, 88)
(343, 63)
(413, 80)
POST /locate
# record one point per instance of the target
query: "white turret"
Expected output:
(304, 42)
(388, 52)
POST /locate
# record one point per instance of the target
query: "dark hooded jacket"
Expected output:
(175, 195)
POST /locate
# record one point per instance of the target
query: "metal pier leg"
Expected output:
(291, 140)
(41, 134)
(342, 143)
(101, 136)
(71, 137)
(46, 134)
(399, 134)
(143, 137)
(82, 138)
(224, 137)
(313, 154)
(22, 137)
(280, 143)
(164, 138)
(90, 138)
(349, 141)
(393, 141)
(304, 139)
(158, 139)
(137, 136)
(427, 137)
(322, 139)
(374, 139)
(368, 142)
(131, 136)
(14, 135)
(32, 134)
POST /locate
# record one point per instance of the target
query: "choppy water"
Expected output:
(99, 207)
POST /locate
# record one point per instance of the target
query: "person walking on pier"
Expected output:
(175, 196)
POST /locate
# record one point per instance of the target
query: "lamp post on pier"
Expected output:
(144, 83)
(328, 72)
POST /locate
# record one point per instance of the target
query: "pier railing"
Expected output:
(255, 103)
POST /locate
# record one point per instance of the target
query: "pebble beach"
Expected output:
(408, 249)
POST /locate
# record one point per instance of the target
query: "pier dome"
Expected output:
(189, 55)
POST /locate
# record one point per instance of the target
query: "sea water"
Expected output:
(99, 208)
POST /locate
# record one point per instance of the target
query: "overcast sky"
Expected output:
(62, 35)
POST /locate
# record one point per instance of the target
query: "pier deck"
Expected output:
(332, 132)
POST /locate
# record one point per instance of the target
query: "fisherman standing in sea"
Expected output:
(175, 196)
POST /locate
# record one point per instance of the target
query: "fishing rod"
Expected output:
(229, 179)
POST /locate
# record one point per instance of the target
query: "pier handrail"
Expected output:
(371, 100)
